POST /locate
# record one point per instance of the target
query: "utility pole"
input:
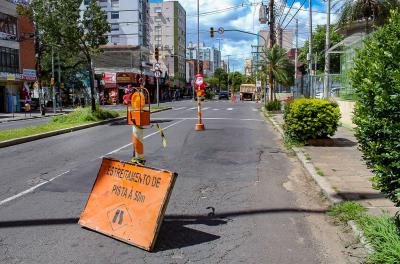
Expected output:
(52, 80)
(327, 47)
(310, 50)
(228, 72)
(271, 45)
(59, 78)
(296, 51)
(198, 36)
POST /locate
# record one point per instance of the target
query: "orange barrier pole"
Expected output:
(138, 147)
(199, 125)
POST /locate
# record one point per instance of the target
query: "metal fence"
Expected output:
(313, 86)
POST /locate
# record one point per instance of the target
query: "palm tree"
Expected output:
(282, 67)
(371, 11)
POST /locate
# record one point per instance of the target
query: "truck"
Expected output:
(248, 92)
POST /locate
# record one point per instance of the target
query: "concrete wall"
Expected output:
(346, 110)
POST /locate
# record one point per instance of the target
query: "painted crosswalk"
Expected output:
(205, 109)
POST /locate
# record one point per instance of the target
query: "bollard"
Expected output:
(138, 147)
(199, 125)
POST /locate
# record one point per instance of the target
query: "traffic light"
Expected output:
(157, 54)
(212, 32)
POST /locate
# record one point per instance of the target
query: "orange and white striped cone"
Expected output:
(138, 147)
(199, 125)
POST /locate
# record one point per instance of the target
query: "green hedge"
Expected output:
(376, 80)
(310, 119)
(273, 105)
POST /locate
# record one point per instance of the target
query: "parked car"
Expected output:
(223, 95)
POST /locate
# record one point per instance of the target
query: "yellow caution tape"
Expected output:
(164, 140)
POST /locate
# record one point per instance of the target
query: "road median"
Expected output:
(21, 140)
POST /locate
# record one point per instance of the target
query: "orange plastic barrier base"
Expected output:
(200, 127)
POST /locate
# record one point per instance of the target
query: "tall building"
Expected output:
(284, 39)
(168, 34)
(17, 58)
(210, 56)
(126, 56)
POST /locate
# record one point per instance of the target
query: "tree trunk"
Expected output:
(93, 100)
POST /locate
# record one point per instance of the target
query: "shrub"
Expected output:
(310, 119)
(273, 105)
(82, 115)
(376, 80)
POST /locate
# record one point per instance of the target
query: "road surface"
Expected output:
(266, 209)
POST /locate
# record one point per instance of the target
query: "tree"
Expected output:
(282, 67)
(61, 26)
(222, 77)
(370, 11)
(318, 45)
(375, 78)
(235, 80)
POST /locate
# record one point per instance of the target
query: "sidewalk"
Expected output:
(9, 117)
(343, 168)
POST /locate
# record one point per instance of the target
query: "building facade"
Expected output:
(17, 58)
(248, 67)
(284, 39)
(168, 34)
(209, 55)
(126, 58)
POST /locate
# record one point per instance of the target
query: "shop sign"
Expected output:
(110, 77)
(124, 78)
(29, 74)
(11, 77)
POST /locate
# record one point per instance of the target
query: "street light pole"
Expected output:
(271, 45)
(327, 46)
(198, 36)
(52, 80)
(310, 49)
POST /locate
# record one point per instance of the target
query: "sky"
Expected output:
(243, 15)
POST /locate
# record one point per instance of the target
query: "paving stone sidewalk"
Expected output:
(343, 167)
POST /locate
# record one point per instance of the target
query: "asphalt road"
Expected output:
(236, 166)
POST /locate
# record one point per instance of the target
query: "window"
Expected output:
(157, 19)
(114, 3)
(114, 27)
(115, 15)
(157, 9)
(115, 39)
(9, 60)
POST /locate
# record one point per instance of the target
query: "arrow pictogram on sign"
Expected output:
(119, 217)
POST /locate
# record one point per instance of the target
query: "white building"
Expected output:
(168, 34)
(210, 56)
(127, 19)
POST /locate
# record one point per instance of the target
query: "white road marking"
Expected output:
(152, 134)
(229, 109)
(211, 118)
(215, 109)
(255, 110)
(177, 109)
(31, 189)
(192, 108)
(59, 175)
(204, 109)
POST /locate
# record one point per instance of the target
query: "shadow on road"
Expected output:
(174, 232)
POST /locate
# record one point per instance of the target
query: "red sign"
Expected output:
(110, 77)
(124, 77)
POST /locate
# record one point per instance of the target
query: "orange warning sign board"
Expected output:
(128, 202)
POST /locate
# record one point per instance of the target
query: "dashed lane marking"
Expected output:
(177, 109)
(31, 189)
(229, 109)
(66, 172)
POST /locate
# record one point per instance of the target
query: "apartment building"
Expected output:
(209, 55)
(17, 58)
(168, 34)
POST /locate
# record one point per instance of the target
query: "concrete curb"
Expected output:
(17, 141)
(360, 234)
(310, 168)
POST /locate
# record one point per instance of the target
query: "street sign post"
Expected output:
(221, 30)
(128, 202)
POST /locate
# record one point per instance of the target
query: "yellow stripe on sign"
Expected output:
(164, 140)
